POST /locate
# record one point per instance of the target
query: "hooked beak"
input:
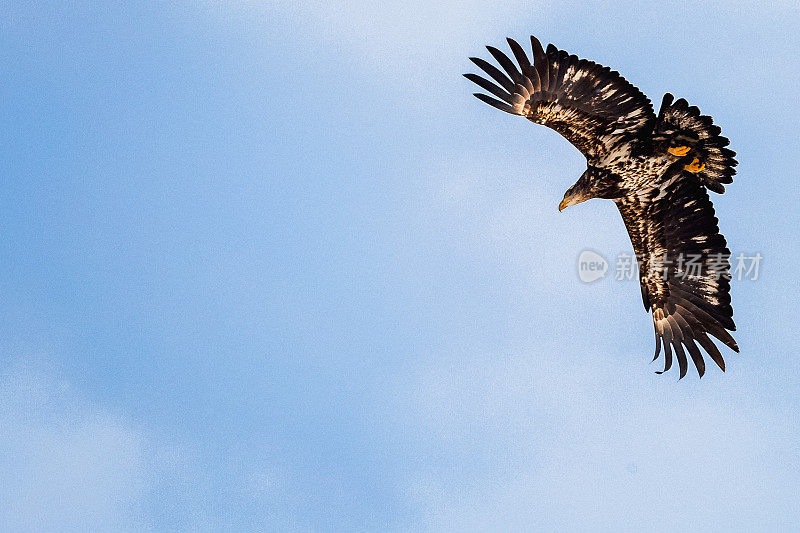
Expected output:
(572, 199)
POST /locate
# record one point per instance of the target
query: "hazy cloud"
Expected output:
(70, 464)
(542, 442)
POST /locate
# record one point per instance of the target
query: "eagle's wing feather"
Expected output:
(592, 106)
(684, 269)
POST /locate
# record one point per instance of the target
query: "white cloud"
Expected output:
(69, 464)
(65, 464)
(538, 441)
(405, 43)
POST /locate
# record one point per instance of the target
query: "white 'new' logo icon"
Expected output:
(591, 266)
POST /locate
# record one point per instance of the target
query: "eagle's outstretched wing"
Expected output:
(684, 269)
(589, 104)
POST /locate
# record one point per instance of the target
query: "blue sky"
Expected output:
(272, 267)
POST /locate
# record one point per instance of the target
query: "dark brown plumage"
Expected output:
(656, 168)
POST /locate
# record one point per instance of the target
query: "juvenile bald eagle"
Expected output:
(656, 169)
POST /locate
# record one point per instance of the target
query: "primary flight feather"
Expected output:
(656, 169)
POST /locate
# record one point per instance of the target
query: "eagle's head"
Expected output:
(596, 182)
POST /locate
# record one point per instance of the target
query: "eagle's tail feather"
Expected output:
(680, 120)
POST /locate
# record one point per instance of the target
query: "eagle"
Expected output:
(656, 168)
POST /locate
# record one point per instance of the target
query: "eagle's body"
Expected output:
(656, 169)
